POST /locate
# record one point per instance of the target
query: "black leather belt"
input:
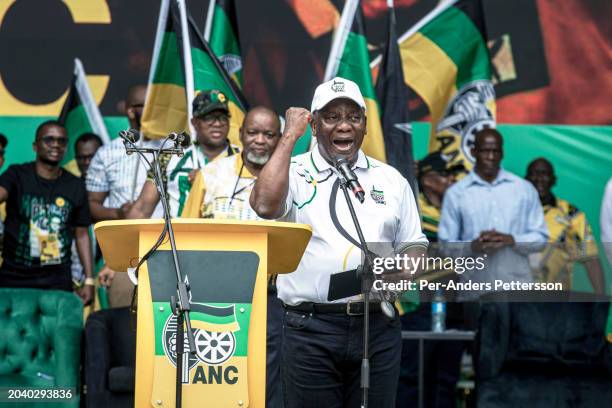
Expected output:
(350, 308)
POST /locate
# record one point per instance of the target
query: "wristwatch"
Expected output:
(90, 282)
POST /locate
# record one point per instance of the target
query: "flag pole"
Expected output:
(159, 35)
(339, 39)
(209, 19)
(188, 66)
(89, 104)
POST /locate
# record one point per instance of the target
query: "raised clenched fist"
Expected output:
(296, 122)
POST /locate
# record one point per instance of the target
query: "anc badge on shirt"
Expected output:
(222, 285)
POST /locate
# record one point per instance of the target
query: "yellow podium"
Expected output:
(226, 263)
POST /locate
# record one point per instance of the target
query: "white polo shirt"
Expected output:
(389, 214)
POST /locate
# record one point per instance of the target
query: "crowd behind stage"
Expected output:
(48, 211)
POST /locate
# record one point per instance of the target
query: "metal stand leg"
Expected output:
(421, 382)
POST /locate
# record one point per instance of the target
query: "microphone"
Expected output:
(131, 135)
(344, 168)
(177, 138)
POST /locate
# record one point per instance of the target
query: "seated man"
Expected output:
(211, 123)
(570, 235)
(46, 208)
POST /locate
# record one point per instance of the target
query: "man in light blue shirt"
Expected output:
(498, 212)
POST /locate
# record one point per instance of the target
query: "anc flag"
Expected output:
(393, 95)
(208, 73)
(222, 35)
(212, 318)
(166, 107)
(446, 61)
(183, 65)
(80, 114)
(349, 59)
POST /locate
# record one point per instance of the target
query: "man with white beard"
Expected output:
(221, 190)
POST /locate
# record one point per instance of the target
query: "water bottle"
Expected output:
(438, 312)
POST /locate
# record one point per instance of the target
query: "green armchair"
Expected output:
(40, 341)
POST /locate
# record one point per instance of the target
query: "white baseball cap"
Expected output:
(334, 89)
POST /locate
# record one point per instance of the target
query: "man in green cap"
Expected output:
(211, 124)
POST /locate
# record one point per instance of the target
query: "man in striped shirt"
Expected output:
(113, 182)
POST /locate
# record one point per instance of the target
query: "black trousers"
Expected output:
(274, 391)
(321, 360)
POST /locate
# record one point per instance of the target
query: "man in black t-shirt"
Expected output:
(46, 209)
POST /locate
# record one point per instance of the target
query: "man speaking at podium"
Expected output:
(322, 339)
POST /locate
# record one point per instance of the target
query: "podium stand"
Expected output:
(226, 263)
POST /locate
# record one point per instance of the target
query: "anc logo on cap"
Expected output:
(208, 101)
(59, 201)
(217, 96)
(337, 86)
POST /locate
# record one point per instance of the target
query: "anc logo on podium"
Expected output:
(220, 318)
(213, 330)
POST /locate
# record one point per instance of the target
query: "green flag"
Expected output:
(221, 32)
(183, 65)
(446, 61)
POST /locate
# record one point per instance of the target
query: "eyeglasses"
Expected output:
(50, 140)
(210, 119)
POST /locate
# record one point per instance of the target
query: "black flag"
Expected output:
(392, 94)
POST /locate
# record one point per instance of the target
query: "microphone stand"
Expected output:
(365, 271)
(180, 304)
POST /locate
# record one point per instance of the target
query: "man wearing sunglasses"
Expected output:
(211, 124)
(46, 209)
